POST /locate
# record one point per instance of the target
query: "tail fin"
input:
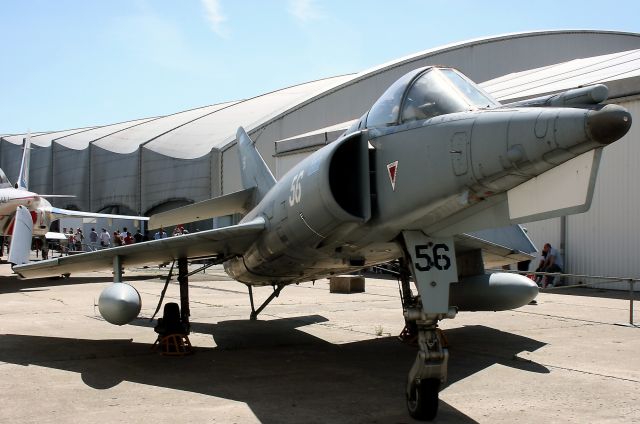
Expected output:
(254, 171)
(23, 179)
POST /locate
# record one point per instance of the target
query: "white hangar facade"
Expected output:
(149, 165)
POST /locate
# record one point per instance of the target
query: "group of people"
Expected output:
(119, 238)
(75, 240)
(178, 231)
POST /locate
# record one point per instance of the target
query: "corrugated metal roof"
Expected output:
(128, 140)
(81, 140)
(214, 126)
(219, 128)
(566, 75)
(17, 138)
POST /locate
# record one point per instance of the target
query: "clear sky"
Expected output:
(74, 63)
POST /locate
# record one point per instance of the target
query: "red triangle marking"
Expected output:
(392, 168)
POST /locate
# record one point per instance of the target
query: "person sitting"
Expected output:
(551, 262)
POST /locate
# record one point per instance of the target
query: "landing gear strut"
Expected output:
(254, 312)
(409, 333)
(183, 281)
(428, 373)
(433, 265)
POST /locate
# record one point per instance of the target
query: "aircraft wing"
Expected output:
(237, 202)
(500, 246)
(61, 213)
(225, 241)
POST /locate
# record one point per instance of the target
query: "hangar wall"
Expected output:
(164, 178)
(603, 240)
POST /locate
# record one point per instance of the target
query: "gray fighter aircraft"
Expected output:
(434, 159)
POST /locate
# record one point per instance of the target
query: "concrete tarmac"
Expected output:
(312, 357)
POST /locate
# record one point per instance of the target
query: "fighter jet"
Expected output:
(19, 205)
(433, 160)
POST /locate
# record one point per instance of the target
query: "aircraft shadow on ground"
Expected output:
(276, 368)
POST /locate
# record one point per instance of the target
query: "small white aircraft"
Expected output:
(16, 200)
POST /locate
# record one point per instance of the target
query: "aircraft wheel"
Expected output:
(423, 400)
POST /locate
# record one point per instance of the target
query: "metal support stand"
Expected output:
(254, 312)
(217, 261)
(117, 269)
(183, 280)
(164, 290)
(631, 299)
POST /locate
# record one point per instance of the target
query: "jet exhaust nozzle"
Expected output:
(608, 124)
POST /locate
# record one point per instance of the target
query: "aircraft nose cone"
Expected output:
(608, 124)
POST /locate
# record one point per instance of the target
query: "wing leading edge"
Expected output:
(61, 213)
(233, 240)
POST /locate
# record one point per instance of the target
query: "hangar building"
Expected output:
(153, 164)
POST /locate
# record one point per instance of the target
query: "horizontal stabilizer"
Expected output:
(238, 202)
(52, 235)
(58, 213)
(500, 246)
(57, 196)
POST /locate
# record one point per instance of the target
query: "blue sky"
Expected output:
(75, 63)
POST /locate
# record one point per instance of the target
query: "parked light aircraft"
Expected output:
(433, 159)
(18, 199)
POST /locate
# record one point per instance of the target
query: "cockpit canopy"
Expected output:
(425, 93)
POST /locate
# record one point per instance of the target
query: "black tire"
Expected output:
(422, 402)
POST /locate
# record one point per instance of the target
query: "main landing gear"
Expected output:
(433, 266)
(254, 312)
(183, 281)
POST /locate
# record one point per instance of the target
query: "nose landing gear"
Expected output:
(432, 262)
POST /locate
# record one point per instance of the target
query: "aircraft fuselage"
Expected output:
(11, 198)
(343, 207)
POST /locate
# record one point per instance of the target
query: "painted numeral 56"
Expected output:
(434, 256)
(295, 194)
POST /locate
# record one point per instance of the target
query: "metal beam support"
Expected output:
(254, 312)
(117, 269)
(183, 280)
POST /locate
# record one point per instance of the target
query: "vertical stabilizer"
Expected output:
(23, 179)
(254, 171)
(21, 237)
